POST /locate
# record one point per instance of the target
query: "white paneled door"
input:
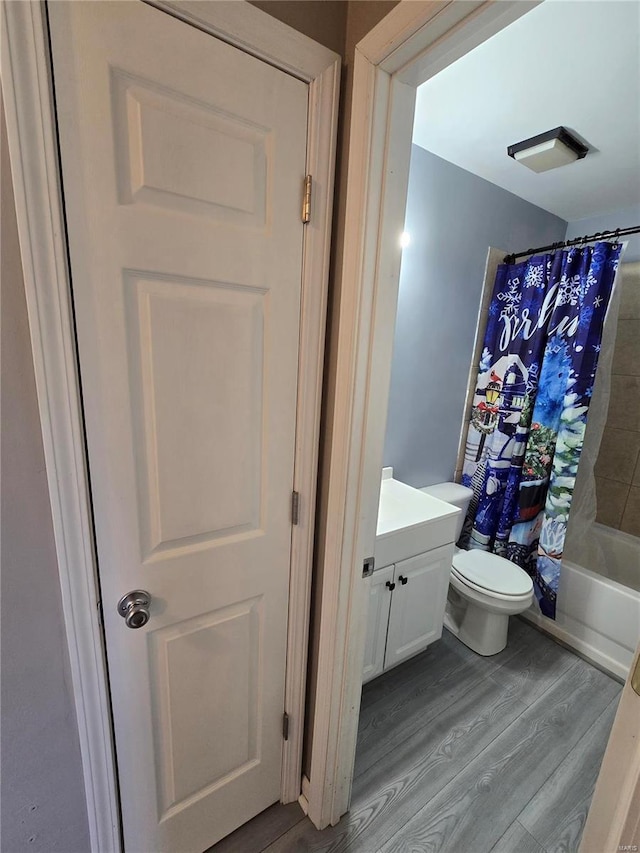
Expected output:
(183, 160)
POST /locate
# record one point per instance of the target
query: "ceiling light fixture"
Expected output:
(548, 150)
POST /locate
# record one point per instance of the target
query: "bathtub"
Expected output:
(599, 616)
(612, 554)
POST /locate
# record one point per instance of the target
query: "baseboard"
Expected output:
(303, 799)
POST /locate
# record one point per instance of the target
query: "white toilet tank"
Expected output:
(452, 493)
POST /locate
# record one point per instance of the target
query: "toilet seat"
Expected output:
(487, 593)
(491, 575)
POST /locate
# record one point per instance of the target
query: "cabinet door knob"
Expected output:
(391, 586)
(402, 579)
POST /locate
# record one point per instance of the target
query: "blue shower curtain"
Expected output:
(534, 384)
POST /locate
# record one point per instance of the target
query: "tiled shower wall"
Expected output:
(618, 467)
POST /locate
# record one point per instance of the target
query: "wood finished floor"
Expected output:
(463, 754)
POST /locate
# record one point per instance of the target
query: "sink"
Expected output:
(410, 522)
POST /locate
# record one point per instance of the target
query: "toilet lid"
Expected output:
(493, 573)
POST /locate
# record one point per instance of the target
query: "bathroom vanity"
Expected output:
(408, 591)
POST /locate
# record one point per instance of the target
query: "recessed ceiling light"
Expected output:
(548, 150)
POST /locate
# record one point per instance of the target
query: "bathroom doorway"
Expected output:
(457, 208)
(390, 229)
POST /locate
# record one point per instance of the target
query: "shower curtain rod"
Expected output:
(589, 238)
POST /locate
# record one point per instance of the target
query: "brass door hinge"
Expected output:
(306, 199)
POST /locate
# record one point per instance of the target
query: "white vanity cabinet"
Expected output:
(406, 609)
(408, 593)
(378, 622)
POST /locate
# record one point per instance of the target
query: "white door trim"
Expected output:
(415, 40)
(613, 820)
(27, 93)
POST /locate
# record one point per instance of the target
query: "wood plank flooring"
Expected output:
(463, 754)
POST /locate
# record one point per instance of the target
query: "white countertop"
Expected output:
(402, 506)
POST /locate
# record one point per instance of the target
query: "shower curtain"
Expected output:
(534, 384)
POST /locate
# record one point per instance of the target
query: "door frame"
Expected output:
(613, 820)
(28, 97)
(413, 42)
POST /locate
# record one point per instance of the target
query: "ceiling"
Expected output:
(566, 62)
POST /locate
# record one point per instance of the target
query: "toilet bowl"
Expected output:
(484, 589)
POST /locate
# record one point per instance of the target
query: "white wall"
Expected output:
(42, 792)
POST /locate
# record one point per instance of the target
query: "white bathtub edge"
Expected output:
(614, 666)
(613, 611)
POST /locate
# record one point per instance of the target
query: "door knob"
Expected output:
(134, 608)
(390, 586)
(402, 579)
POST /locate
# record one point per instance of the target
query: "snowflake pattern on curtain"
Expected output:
(535, 380)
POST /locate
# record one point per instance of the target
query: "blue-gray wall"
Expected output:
(624, 218)
(453, 217)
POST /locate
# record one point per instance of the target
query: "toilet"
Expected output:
(484, 589)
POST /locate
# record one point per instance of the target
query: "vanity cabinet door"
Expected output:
(417, 604)
(378, 620)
